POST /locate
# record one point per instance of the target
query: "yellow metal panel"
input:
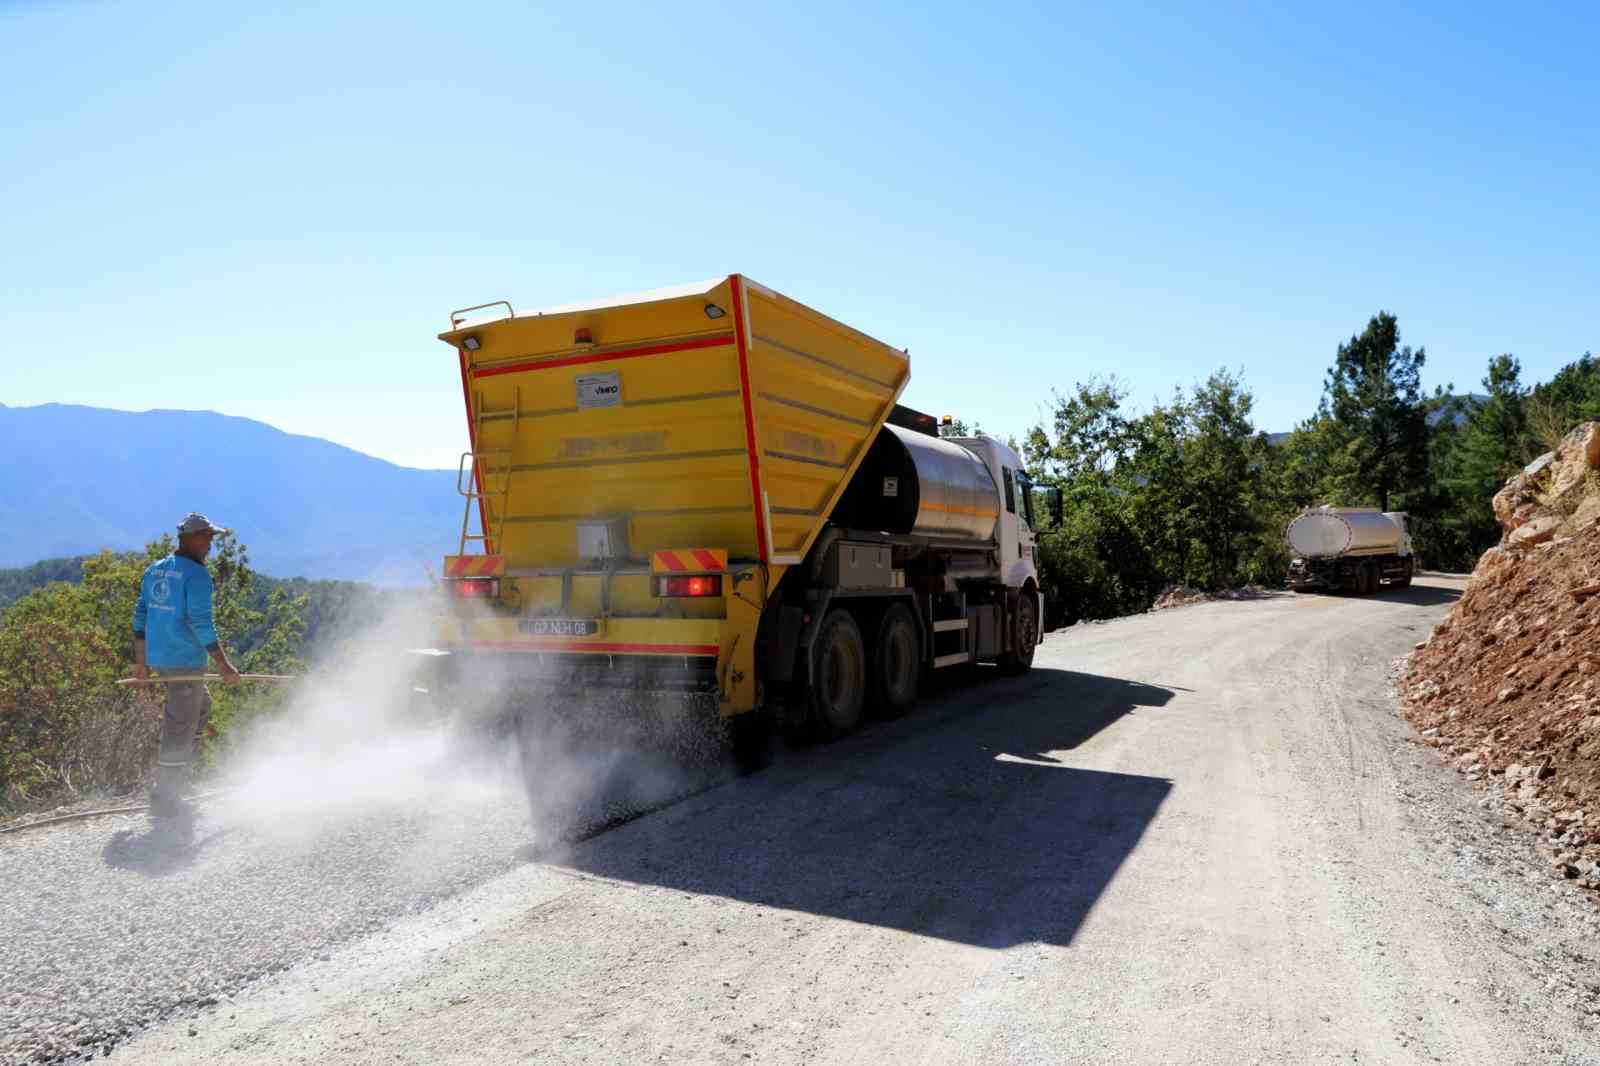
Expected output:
(821, 392)
(672, 456)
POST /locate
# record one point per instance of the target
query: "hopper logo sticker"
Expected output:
(599, 390)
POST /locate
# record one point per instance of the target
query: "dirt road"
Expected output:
(1200, 835)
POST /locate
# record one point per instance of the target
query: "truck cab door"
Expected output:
(1018, 540)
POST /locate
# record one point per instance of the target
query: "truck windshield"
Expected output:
(1025, 485)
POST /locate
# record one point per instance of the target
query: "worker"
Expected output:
(173, 633)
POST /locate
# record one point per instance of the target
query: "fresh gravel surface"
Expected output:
(109, 925)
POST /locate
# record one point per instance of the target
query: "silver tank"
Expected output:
(910, 482)
(1328, 532)
(956, 497)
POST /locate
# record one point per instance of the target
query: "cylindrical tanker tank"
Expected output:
(911, 482)
(1328, 532)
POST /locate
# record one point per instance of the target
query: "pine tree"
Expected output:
(1374, 391)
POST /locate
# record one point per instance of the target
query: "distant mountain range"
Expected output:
(80, 479)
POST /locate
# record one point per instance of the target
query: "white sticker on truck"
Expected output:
(599, 390)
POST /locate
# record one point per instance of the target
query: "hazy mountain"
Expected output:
(79, 479)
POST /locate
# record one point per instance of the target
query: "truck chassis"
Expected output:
(1357, 574)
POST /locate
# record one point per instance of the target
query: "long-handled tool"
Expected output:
(169, 678)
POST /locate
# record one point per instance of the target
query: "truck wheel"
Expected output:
(1024, 636)
(896, 666)
(750, 740)
(1404, 579)
(838, 676)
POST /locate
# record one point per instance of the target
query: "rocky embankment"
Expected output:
(1508, 685)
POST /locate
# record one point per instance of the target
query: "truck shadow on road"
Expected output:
(1419, 595)
(1414, 595)
(965, 822)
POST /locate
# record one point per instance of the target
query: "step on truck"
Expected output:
(1348, 549)
(713, 490)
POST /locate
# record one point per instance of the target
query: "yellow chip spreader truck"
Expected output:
(712, 489)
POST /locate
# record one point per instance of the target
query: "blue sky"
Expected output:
(269, 211)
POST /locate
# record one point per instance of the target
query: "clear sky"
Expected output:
(268, 210)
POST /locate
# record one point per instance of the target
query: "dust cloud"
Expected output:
(376, 734)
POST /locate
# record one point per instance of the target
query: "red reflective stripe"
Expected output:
(602, 357)
(670, 561)
(735, 283)
(472, 565)
(472, 444)
(585, 646)
(706, 560)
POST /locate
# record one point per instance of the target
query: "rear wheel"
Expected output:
(1024, 636)
(750, 740)
(896, 666)
(838, 676)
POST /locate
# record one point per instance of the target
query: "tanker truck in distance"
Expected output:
(1349, 549)
(713, 491)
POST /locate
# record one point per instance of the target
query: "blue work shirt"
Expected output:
(173, 614)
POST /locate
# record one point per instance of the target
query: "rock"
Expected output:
(1534, 469)
(1510, 692)
(1425, 690)
(1506, 501)
(1535, 531)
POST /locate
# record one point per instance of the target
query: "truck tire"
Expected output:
(896, 665)
(750, 740)
(1366, 580)
(1405, 579)
(838, 676)
(1024, 637)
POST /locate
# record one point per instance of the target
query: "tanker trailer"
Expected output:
(713, 492)
(1350, 549)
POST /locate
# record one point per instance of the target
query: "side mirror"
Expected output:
(1053, 502)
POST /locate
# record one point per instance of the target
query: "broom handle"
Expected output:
(201, 677)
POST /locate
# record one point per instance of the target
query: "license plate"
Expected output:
(559, 627)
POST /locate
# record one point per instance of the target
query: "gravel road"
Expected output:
(1201, 835)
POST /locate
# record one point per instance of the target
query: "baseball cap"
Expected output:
(195, 522)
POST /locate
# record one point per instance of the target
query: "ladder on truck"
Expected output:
(961, 625)
(476, 474)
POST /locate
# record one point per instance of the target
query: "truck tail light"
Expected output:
(689, 586)
(476, 588)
